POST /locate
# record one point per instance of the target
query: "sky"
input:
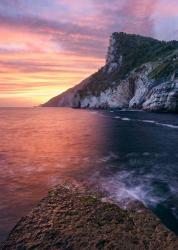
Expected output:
(48, 46)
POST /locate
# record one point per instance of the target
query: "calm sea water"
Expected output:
(130, 155)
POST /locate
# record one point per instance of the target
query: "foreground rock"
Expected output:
(68, 219)
(140, 72)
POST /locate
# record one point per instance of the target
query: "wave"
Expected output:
(148, 121)
(125, 119)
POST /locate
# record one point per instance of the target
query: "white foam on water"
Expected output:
(146, 154)
(124, 190)
(148, 121)
(126, 119)
(151, 186)
(174, 212)
(167, 125)
(159, 123)
(109, 157)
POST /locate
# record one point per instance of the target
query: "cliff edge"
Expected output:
(140, 72)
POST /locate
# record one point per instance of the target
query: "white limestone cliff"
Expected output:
(139, 73)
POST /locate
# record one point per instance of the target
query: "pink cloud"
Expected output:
(65, 30)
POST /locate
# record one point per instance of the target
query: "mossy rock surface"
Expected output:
(70, 219)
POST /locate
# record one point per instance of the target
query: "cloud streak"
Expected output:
(62, 40)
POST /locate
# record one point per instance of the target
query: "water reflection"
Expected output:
(37, 148)
(127, 158)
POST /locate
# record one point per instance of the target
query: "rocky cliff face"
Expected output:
(140, 73)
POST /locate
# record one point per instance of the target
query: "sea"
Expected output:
(128, 155)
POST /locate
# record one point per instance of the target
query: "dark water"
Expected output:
(130, 155)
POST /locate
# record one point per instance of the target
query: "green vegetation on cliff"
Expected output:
(135, 51)
(131, 59)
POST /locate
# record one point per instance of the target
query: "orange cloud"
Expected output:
(48, 46)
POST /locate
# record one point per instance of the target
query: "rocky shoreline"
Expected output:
(139, 73)
(71, 219)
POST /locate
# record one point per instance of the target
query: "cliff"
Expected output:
(140, 72)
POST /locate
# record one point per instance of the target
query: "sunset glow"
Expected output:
(48, 46)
